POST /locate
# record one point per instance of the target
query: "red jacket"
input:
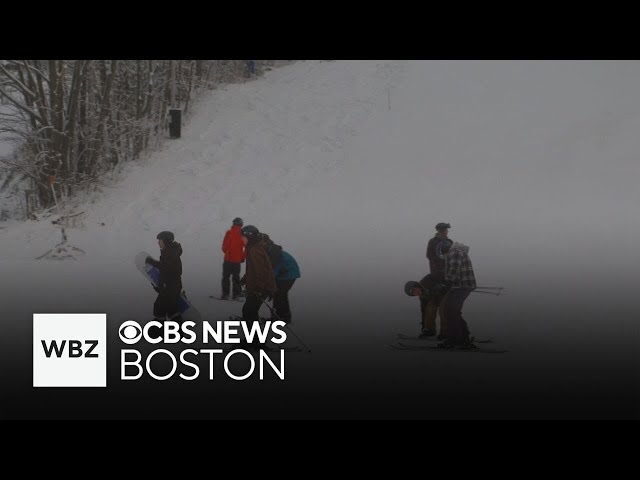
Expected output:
(232, 245)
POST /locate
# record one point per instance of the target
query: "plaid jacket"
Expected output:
(458, 269)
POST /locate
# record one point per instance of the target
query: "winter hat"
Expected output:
(409, 285)
(166, 236)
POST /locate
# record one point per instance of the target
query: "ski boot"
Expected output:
(447, 345)
(468, 344)
(426, 333)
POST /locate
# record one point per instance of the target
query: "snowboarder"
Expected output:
(434, 248)
(431, 289)
(259, 278)
(170, 284)
(458, 274)
(234, 255)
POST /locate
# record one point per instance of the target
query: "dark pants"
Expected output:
(424, 303)
(429, 309)
(458, 332)
(281, 300)
(166, 305)
(231, 269)
(251, 308)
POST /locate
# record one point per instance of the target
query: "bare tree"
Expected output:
(78, 119)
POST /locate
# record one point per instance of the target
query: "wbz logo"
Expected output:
(69, 350)
(74, 350)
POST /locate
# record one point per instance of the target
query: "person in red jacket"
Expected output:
(234, 255)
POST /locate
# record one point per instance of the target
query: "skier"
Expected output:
(436, 267)
(286, 270)
(234, 255)
(273, 250)
(285, 273)
(259, 278)
(170, 284)
(434, 248)
(459, 276)
(431, 289)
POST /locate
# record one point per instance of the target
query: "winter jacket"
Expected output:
(170, 267)
(433, 282)
(273, 250)
(232, 245)
(259, 276)
(458, 269)
(435, 256)
(287, 269)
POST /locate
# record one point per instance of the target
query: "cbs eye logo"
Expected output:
(130, 332)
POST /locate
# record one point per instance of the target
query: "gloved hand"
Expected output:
(243, 280)
(148, 259)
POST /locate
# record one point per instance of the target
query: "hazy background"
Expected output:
(349, 165)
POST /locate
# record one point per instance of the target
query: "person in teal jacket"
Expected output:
(286, 272)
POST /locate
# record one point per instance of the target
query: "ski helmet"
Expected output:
(166, 236)
(409, 285)
(249, 231)
(442, 226)
(238, 221)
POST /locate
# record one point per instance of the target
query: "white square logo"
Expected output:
(69, 349)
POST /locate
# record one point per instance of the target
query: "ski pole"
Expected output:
(488, 293)
(480, 290)
(491, 288)
(275, 315)
(297, 338)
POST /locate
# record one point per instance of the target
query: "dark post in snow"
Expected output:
(175, 120)
(175, 114)
(251, 68)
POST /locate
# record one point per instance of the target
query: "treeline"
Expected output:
(77, 119)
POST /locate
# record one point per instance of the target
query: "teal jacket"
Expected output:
(287, 269)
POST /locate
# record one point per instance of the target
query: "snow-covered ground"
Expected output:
(349, 165)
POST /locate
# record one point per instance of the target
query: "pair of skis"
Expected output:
(237, 299)
(422, 345)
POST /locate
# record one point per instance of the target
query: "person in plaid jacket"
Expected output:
(458, 273)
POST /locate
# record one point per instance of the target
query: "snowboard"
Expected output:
(152, 274)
